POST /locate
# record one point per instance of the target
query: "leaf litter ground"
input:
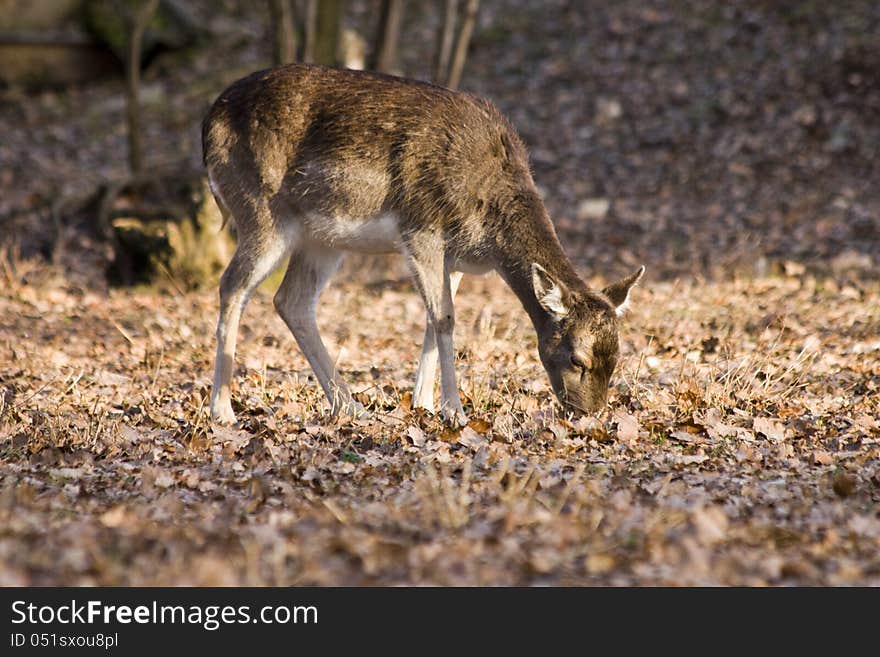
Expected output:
(741, 444)
(737, 144)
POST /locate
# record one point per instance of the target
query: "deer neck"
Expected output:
(527, 237)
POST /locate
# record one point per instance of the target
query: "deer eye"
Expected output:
(579, 361)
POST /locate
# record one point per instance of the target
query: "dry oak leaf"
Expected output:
(774, 430)
(685, 437)
(479, 425)
(715, 428)
(627, 427)
(416, 435)
(470, 438)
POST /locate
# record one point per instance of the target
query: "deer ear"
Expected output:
(552, 295)
(618, 293)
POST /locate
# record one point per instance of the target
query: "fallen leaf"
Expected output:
(449, 434)
(627, 427)
(685, 437)
(773, 429)
(479, 425)
(416, 435)
(470, 438)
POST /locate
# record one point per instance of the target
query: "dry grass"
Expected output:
(740, 445)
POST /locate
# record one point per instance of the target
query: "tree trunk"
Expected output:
(310, 26)
(133, 86)
(445, 38)
(387, 36)
(461, 46)
(283, 31)
(328, 24)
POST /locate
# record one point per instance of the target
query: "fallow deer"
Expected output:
(312, 162)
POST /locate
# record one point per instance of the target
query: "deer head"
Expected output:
(578, 344)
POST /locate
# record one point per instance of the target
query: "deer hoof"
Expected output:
(222, 414)
(454, 416)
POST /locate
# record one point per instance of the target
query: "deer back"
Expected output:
(308, 140)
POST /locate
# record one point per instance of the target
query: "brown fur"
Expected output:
(324, 145)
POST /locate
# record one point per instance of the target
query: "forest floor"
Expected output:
(741, 444)
(734, 150)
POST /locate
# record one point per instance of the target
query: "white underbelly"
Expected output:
(379, 234)
(471, 267)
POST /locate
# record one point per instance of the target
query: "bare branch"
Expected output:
(133, 87)
(445, 38)
(461, 46)
(384, 56)
(387, 36)
(309, 29)
(328, 29)
(283, 31)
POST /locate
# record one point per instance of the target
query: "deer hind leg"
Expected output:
(296, 300)
(431, 272)
(423, 391)
(256, 255)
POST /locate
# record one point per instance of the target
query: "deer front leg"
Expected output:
(431, 272)
(296, 300)
(423, 391)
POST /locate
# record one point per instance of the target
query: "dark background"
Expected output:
(701, 138)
